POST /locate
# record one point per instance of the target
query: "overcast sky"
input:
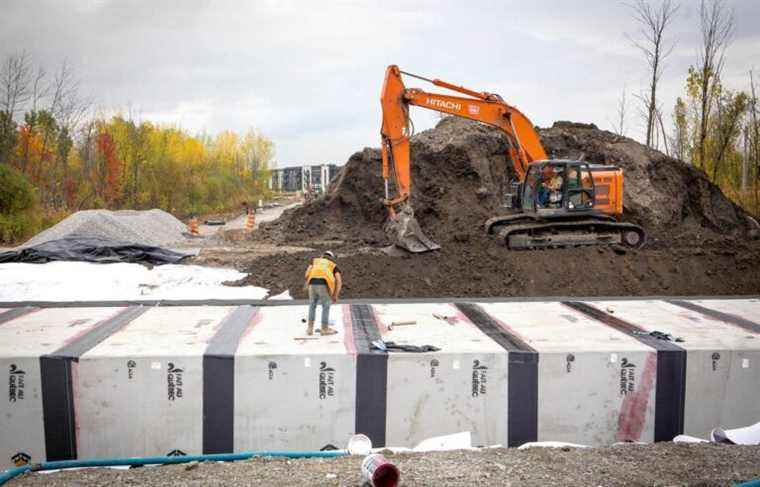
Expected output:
(308, 74)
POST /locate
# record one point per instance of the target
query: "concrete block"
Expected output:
(294, 392)
(595, 384)
(23, 340)
(462, 387)
(140, 391)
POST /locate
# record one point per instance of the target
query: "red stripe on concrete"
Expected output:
(381, 326)
(26, 313)
(633, 411)
(258, 317)
(348, 329)
(459, 317)
(506, 328)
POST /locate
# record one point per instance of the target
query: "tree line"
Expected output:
(56, 157)
(714, 127)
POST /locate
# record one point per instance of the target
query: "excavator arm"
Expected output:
(524, 143)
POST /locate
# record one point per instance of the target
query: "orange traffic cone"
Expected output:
(194, 226)
(250, 221)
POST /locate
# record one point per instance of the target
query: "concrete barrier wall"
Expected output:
(86, 382)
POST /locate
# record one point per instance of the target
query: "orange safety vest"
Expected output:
(323, 269)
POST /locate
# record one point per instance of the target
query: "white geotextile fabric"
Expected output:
(84, 281)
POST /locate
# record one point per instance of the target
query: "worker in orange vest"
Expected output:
(324, 281)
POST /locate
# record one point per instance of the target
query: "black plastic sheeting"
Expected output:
(92, 249)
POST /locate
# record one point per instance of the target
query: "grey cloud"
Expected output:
(308, 74)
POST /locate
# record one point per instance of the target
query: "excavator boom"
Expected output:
(524, 143)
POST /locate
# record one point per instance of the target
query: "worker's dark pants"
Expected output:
(319, 294)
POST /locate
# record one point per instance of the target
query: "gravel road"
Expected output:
(662, 464)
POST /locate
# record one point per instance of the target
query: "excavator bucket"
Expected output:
(406, 233)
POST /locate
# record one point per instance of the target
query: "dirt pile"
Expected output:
(458, 170)
(668, 197)
(460, 173)
(696, 243)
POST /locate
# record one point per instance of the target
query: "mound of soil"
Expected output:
(664, 195)
(697, 237)
(460, 172)
(459, 169)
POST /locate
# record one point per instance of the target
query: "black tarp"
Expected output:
(92, 249)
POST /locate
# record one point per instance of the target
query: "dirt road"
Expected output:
(263, 215)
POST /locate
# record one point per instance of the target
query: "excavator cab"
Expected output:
(556, 187)
(563, 203)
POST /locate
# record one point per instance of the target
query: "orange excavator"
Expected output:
(554, 203)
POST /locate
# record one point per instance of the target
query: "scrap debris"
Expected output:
(400, 323)
(451, 320)
(660, 336)
(397, 347)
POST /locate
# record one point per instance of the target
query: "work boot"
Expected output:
(326, 330)
(310, 329)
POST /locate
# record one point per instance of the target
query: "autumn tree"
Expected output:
(69, 160)
(110, 168)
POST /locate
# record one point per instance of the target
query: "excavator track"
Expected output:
(572, 233)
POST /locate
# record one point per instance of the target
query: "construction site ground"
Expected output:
(698, 241)
(483, 267)
(662, 464)
(480, 266)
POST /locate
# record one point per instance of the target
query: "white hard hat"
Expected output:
(329, 254)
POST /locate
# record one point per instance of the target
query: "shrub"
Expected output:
(18, 206)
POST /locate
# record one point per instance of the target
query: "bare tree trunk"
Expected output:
(662, 131)
(717, 27)
(745, 161)
(67, 105)
(15, 83)
(754, 128)
(621, 109)
(39, 89)
(653, 21)
(15, 92)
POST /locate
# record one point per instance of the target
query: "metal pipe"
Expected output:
(416, 76)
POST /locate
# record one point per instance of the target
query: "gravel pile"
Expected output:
(152, 227)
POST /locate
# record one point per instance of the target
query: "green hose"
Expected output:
(11, 473)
